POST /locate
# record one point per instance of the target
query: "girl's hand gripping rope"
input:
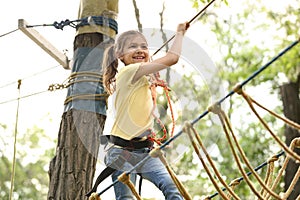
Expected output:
(182, 28)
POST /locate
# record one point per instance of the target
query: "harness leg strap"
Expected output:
(103, 175)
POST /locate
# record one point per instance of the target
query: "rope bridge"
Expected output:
(267, 186)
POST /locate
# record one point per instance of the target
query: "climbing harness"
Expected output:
(135, 143)
(152, 136)
(127, 146)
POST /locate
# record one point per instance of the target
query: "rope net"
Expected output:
(262, 188)
(267, 186)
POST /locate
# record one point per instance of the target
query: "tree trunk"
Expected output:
(291, 108)
(72, 169)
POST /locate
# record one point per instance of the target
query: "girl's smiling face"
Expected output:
(135, 50)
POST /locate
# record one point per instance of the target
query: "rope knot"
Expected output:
(296, 142)
(215, 108)
(94, 196)
(124, 178)
(62, 24)
(187, 126)
(238, 89)
(273, 159)
(56, 86)
(235, 182)
(156, 152)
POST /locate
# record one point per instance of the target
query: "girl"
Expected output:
(133, 105)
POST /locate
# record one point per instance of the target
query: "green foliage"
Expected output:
(247, 39)
(246, 54)
(197, 3)
(32, 160)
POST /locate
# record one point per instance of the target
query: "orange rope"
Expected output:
(159, 82)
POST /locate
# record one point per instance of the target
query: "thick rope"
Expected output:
(217, 110)
(96, 97)
(291, 123)
(277, 139)
(227, 128)
(295, 143)
(197, 136)
(292, 185)
(79, 77)
(245, 159)
(237, 181)
(85, 77)
(158, 153)
(279, 175)
(187, 129)
(269, 175)
(124, 178)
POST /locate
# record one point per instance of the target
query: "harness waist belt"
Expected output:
(128, 144)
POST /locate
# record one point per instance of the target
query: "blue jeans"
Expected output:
(152, 170)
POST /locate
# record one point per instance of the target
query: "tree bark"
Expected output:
(72, 169)
(291, 108)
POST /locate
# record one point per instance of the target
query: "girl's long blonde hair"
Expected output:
(110, 59)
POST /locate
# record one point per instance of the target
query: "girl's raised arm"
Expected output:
(171, 57)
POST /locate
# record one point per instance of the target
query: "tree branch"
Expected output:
(137, 16)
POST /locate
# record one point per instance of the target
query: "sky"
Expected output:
(22, 59)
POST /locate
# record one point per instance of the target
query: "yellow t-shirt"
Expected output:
(133, 104)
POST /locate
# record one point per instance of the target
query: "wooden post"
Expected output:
(44, 44)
